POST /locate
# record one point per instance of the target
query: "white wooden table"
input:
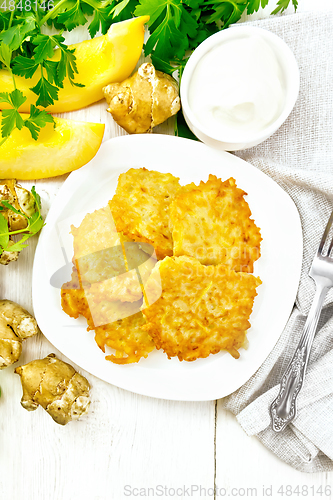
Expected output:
(128, 445)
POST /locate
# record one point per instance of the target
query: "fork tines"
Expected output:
(324, 238)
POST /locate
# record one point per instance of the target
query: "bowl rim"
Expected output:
(288, 63)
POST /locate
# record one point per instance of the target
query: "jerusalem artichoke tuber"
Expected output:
(16, 325)
(144, 100)
(21, 200)
(56, 386)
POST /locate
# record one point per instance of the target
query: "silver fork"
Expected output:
(283, 409)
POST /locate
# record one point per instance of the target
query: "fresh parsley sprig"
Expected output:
(176, 28)
(52, 73)
(100, 14)
(11, 118)
(34, 225)
(25, 50)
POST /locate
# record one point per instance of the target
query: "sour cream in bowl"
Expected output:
(238, 87)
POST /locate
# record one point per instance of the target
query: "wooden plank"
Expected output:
(245, 465)
(125, 441)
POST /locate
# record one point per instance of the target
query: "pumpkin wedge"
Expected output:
(100, 61)
(68, 146)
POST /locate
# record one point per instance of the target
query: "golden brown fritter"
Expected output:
(107, 286)
(202, 309)
(140, 207)
(101, 260)
(98, 252)
(127, 338)
(199, 300)
(96, 232)
(120, 322)
(127, 287)
(73, 299)
(211, 222)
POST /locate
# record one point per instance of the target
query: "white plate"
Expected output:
(279, 267)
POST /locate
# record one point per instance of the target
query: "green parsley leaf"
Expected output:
(167, 40)
(17, 98)
(13, 209)
(282, 5)
(47, 87)
(165, 66)
(67, 64)
(44, 47)
(35, 223)
(4, 234)
(5, 55)
(51, 68)
(100, 21)
(182, 129)
(34, 220)
(4, 97)
(4, 20)
(151, 8)
(18, 246)
(37, 198)
(204, 31)
(10, 117)
(193, 4)
(46, 92)
(103, 15)
(72, 17)
(37, 120)
(119, 7)
(24, 66)
(123, 10)
(229, 11)
(254, 5)
(15, 35)
(170, 28)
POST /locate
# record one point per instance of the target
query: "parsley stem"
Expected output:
(11, 16)
(15, 232)
(13, 83)
(51, 12)
(25, 230)
(4, 140)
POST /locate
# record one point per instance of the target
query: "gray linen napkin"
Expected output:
(299, 157)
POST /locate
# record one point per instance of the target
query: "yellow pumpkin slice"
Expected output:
(100, 61)
(68, 146)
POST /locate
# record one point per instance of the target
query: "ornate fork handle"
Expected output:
(283, 409)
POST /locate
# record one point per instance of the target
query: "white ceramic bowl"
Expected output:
(290, 73)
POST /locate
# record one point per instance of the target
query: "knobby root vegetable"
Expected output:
(55, 386)
(22, 200)
(144, 100)
(16, 325)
